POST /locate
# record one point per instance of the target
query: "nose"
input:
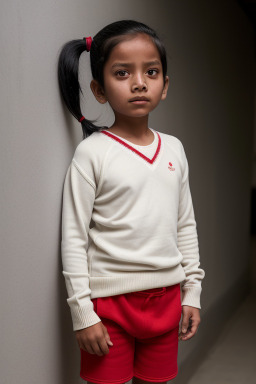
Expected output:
(139, 83)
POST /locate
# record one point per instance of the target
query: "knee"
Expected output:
(90, 382)
(137, 380)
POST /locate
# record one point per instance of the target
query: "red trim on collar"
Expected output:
(134, 149)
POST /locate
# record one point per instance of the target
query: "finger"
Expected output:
(191, 331)
(88, 348)
(104, 346)
(83, 348)
(81, 345)
(96, 348)
(180, 336)
(107, 337)
(188, 335)
(185, 323)
(109, 342)
(194, 325)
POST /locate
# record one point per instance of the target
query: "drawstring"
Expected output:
(158, 293)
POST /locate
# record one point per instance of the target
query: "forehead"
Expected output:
(135, 47)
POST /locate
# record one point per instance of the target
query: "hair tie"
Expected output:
(82, 118)
(88, 43)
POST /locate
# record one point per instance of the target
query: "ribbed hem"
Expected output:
(191, 296)
(105, 286)
(111, 285)
(83, 317)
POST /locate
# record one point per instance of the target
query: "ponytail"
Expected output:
(68, 66)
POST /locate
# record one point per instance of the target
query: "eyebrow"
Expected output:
(155, 62)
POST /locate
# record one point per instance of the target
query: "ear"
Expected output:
(165, 89)
(98, 92)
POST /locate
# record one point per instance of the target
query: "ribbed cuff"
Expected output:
(191, 296)
(83, 317)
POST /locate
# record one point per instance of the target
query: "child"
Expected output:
(134, 269)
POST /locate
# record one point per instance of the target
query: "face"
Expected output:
(133, 70)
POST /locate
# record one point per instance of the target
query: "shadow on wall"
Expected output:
(68, 349)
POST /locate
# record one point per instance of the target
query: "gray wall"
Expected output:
(209, 108)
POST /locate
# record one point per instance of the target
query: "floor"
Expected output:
(232, 359)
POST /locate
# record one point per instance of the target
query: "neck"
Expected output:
(131, 127)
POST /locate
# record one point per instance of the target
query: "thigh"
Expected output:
(156, 358)
(156, 354)
(115, 367)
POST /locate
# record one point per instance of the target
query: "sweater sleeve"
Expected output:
(188, 242)
(78, 199)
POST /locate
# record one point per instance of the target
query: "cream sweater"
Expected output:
(128, 222)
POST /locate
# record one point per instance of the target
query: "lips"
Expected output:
(138, 98)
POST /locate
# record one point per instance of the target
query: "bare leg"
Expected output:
(136, 380)
(90, 382)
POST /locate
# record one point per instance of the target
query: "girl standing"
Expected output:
(129, 241)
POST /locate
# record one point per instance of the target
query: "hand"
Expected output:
(190, 322)
(94, 339)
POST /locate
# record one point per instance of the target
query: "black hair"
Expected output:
(102, 44)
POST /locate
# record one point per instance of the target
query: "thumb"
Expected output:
(185, 323)
(107, 337)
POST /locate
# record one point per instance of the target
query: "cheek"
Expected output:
(158, 91)
(116, 92)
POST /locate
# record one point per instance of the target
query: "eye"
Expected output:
(153, 70)
(122, 72)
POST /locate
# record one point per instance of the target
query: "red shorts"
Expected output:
(143, 327)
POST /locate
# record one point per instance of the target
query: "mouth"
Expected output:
(139, 100)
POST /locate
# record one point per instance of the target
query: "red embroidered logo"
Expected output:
(171, 167)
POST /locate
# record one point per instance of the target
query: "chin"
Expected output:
(140, 115)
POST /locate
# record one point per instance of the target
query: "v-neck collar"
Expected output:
(119, 140)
